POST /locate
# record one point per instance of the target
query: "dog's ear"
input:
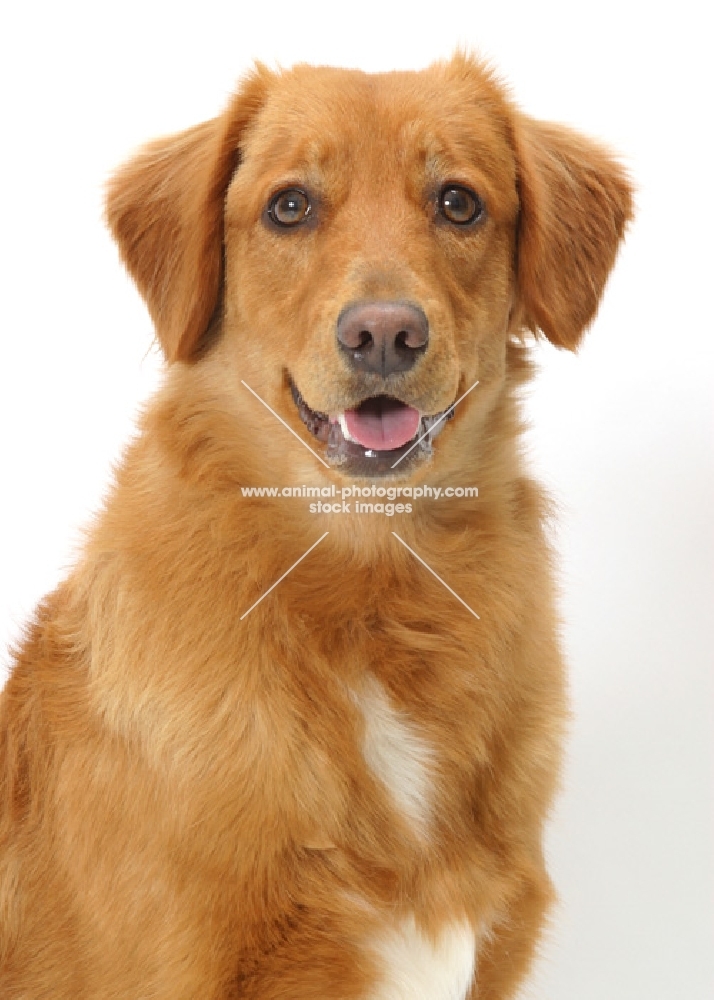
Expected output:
(165, 210)
(575, 200)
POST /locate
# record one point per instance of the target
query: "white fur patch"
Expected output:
(397, 755)
(416, 969)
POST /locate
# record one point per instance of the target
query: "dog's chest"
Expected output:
(399, 757)
(403, 762)
(416, 968)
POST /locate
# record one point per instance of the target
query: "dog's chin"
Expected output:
(382, 436)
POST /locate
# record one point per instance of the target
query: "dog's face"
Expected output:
(372, 242)
(372, 222)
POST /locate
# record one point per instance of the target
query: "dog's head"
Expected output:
(367, 245)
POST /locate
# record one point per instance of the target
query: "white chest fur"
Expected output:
(414, 968)
(411, 966)
(398, 756)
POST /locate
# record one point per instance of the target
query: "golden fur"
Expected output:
(186, 809)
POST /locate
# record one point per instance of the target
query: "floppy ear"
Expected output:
(165, 210)
(576, 200)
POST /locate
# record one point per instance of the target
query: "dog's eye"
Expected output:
(289, 207)
(460, 205)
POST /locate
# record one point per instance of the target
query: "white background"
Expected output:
(622, 432)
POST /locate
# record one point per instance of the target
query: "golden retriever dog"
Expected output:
(278, 747)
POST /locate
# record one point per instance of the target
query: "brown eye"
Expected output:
(289, 207)
(460, 205)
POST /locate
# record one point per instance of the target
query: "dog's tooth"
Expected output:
(343, 427)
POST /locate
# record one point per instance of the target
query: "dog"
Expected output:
(262, 742)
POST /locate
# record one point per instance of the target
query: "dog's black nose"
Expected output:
(382, 337)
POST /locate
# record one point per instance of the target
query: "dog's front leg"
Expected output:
(506, 952)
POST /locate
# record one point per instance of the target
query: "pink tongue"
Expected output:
(382, 424)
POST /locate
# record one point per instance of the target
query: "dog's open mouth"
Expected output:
(371, 438)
